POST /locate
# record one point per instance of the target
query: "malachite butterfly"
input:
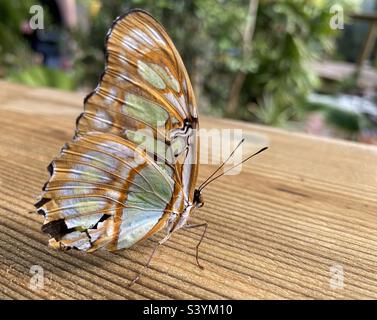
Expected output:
(104, 190)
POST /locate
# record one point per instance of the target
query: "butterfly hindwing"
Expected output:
(102, 177)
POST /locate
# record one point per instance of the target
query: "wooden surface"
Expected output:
(275, 231)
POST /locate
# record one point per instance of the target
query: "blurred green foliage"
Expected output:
(350, 123)
(37, 76)
(16, 58)
(13, 49)
(289, 34)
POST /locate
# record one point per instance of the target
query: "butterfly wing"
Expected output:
(104, 190)
(145, 87)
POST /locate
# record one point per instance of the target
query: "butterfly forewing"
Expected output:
(144, 84)
(104, 190)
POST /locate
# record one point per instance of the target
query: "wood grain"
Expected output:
(275, 230)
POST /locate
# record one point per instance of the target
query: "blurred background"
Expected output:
(302, 65)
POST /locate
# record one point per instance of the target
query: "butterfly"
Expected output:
(104, 191)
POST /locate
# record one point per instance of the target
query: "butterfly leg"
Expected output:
(137, 277)
(191, 226)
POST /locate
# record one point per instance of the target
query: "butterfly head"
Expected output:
(198, 199)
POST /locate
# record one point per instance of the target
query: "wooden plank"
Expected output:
(340, 71)
(275, 230)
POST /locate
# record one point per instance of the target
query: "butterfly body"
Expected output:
(131, 168)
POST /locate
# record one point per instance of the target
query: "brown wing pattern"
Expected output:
(143, 67)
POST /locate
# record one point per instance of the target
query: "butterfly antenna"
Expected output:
(227, 159)
(207, 182)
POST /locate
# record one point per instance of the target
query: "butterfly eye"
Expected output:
(200, 202)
